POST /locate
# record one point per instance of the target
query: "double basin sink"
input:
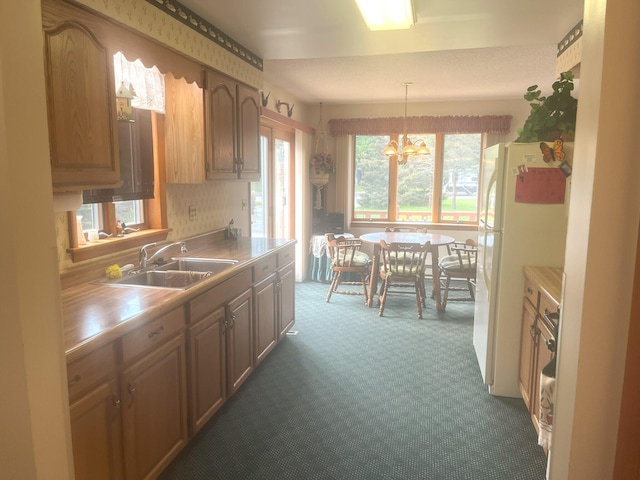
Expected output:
(179, 273)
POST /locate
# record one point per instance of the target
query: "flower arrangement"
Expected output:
(323, 163)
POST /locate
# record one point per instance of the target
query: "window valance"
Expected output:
(445, 124)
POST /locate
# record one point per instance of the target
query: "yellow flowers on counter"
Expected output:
(113, 271)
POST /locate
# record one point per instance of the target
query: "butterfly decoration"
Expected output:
(554, 152)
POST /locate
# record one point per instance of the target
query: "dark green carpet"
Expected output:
(357, 396)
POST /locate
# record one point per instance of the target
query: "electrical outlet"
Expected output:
(244, 204)
(193, 212)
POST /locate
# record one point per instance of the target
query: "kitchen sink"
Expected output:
(179, 273)
(213, 265)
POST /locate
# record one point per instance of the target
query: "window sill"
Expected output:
(109, 246)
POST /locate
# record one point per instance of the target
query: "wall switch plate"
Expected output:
(193, 212)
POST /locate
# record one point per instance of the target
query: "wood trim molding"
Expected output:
(627, 462)
(286, 121)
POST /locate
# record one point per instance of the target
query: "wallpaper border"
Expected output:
(187, 17)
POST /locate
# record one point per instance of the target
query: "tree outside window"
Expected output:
(440, 188)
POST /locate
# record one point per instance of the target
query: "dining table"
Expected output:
(435, 239)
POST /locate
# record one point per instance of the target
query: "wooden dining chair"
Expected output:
(347, 261)
(459, 265)
(403, 266)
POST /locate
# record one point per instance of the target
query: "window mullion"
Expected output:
(438, 160)
(392, 208)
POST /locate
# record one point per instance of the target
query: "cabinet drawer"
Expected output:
(206, 303)
(152, 333)
(547, 304)
(287, 255)
(88, 371)
(264, 268)
(531, 292)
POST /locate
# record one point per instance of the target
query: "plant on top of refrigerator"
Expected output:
(551, 117)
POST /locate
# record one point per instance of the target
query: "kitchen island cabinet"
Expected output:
(541, 298)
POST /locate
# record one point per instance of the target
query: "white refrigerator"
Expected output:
(523, 221)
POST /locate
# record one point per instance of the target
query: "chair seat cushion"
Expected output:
(451, 262)
(360, 259)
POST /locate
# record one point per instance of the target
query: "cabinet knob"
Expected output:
(132, 391)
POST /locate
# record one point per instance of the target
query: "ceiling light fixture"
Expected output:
(387, 14)
(408, 149)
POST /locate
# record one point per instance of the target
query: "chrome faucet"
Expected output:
(145, 260)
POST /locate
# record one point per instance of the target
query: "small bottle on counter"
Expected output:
(119, 230)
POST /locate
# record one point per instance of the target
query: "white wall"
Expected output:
(603, 225)
(34, 420)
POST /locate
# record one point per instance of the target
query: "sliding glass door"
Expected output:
(272, 206)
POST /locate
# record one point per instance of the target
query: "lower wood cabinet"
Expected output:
(154, 410)
(207, 365)
(286, 299)
(534, 353)
(97, 434)
(135, 402)
(239, 340)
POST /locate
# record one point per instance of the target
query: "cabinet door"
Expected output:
(528, 337)
(184, 131)
(207, 363)
(81, 108)
(239, 341)
(97, 435)
(286, 300)
(266, 326)
(154, 409)
(220, 127)
(248, 133)
(543, 356)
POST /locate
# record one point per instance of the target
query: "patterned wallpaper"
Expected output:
(151, 21)
(216, 204)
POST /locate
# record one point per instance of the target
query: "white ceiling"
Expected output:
(321, 50)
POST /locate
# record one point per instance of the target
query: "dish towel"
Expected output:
(547, 390)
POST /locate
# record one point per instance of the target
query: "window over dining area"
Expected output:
(438, 188)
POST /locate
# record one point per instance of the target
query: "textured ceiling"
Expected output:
(321, 51)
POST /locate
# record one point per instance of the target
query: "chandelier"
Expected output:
(407, 148)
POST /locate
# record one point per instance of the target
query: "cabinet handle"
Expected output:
(551, 344)
(153, 333)
(233, 320)
(529, 291)
(132, 391)
(75, 379)
(116, 401)
(533, 331)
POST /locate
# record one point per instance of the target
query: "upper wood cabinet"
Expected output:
(184, 131)
(81, 108)
(232, 126)
(249, 132)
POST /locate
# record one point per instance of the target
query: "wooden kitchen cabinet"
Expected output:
(239, 340)
(265, 298)
(81, 106)
(286, 299)
(207, 364)
(232, 129)
(95, 404)
(154, 409)
(184, 131)
(534, 352)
